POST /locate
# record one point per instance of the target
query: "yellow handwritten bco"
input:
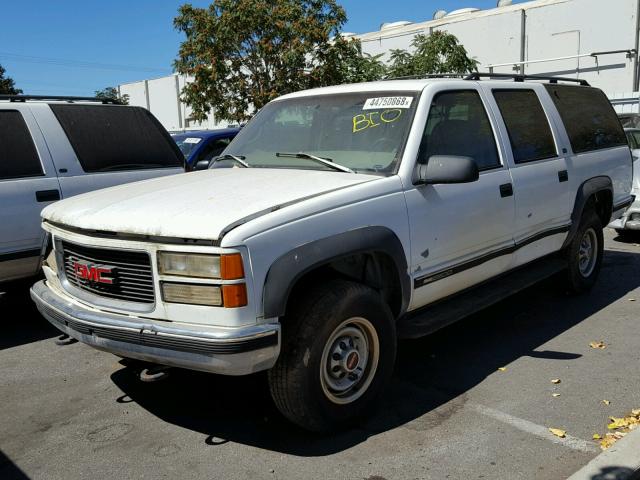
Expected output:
(362, 121)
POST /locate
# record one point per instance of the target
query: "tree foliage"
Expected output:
(7, 85)
(241, 54)
(436, 53)
(112, 94)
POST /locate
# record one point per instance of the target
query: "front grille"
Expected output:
(130, 272)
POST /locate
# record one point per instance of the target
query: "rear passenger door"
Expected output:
(538, 164)
(27, 184)
(461, 234)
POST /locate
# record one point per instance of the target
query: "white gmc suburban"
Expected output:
(338, 220)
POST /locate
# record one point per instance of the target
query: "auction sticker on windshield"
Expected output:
(192, 140)
(384, 102)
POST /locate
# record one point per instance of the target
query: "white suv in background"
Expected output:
(56, 147)
(348, 216)
(630, 220)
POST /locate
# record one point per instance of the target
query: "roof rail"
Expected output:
(522, 77)
(24, 98)
(427, 75)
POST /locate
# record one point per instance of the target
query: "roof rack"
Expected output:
(522, 77)
(24, 98)
(427, 75)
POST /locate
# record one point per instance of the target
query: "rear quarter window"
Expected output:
(588, 117)
(113, 137)
(18, 155)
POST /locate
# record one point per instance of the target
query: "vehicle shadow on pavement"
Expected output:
(616, 473)
(431, 377)
(22, 321)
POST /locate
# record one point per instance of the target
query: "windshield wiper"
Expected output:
(236, 158)
(324, 161)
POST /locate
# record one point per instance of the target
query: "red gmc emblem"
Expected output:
(93, 273)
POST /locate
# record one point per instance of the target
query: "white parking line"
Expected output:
(534, 429)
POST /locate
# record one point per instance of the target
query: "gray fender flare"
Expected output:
(291, 266)
(585, 191)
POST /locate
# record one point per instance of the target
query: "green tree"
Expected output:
(344, 62)
(112, 94)
(7, 85)
(438, 52)
(240, 54)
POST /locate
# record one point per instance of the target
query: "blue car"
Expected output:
(203, 144)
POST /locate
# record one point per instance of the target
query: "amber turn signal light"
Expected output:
(234, 296)
(231, 267)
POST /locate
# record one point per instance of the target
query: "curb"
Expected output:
(621, 461)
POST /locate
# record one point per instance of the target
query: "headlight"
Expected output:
(189, 264)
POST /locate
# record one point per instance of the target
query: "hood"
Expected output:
(197, 205)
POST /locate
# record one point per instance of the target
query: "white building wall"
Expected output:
(161, 96)
(584, 27)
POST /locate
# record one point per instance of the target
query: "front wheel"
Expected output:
(338, 352)
(584, 254)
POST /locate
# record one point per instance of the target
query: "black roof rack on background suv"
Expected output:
(24, 98)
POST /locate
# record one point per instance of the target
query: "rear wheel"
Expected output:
(338, 351)
(584, 253)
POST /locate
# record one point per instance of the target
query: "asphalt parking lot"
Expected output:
(74, 412)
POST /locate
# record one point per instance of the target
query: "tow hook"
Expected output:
(154, 373)
(65, 339)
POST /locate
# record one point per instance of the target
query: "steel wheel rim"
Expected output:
(349, 360)
(588, 252)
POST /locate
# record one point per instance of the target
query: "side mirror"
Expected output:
(447, 169)
(202, 165)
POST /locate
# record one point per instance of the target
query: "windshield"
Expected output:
(187, 144)
(363, 131)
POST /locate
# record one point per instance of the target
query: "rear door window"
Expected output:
(458, 125)
(18, 155)
(527, 125)
(111, 137)
(588, 117)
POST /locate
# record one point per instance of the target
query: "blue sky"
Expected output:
(74, 47)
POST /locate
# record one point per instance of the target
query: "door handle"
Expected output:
(47, 195)
(506, 190)
(563, 176)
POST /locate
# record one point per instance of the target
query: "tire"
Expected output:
(312, 383)
(584, 254)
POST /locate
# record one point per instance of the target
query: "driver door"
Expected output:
(461, 234)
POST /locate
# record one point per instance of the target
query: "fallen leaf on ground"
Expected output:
(596, 436)
(555, 394)
(555, 381)
(621, 425)
(600, 345)
(607, 441)
(502, 369)
(606, 402)
(558, 433)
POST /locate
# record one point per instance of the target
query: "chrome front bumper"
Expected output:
(630, 220)
(230, 351)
